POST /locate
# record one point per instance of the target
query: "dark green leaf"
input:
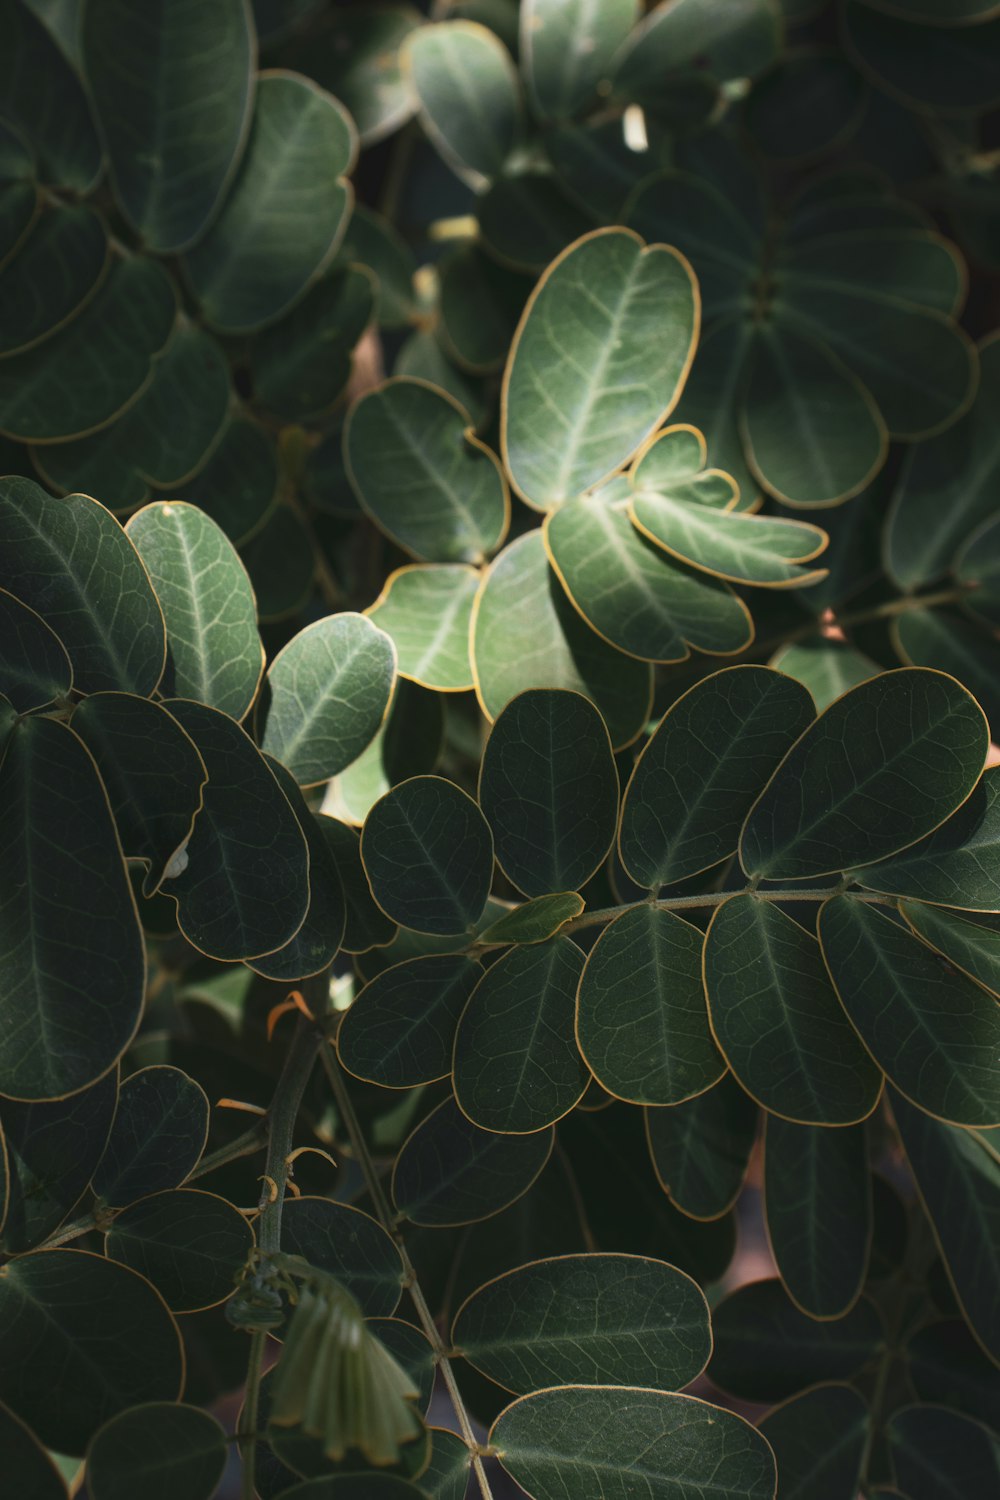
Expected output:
(549, 788)
(71, 562)
(819, 1440)
(35, 670)
(428, 854)
(400, 1031)
(534, 921)
(517, 1068)
(885, 764)
(827, 668)
(189, 1244)
(363, 1486)
(60, 265)
(300, 365)
(111, 349)
(43, 97)
(701, 1148)
(350, 1246)
(946, 1364)
(467, 95)
(366, 926)
(586, 1320)
(935, 1033)
(737, 41)
(807, 106)
(567, 50)
(281, 560)
(52, 1150)
(977, 566)
(413, 1350)
(72, 952)
(615, 372)
(373, 242)
(479, 302)
(451, 1172)
(238, 486)
(285, 212)
(941, 1455)
(698, 776)
(801, 1350)
(526, 220)
(409, 742)
(574, 1441)
(244, 890)
(777, 1019)
(330, 691)
(159, 1133)
(84, 1339)
(641, 1019)
(959, 1180)
(28, 1469)
(446, 1476)
(954, 69)
(973, 949)
(819, 1212)
(423, 476)
(952, 643)
(958, 864)
(359, 64)
(159, 1450)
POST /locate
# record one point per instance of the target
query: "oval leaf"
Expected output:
(467, 95)
(701, 1148)
(349, 1245)
(158, 1450)
(400, 1031)
(35, 669)
(159, 1133)
(189, 1244)
(426, 612)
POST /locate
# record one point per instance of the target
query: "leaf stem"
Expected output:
(887, 610)
(342, 1099)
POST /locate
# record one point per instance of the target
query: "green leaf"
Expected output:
(827, 668)
(567, 47)
(549, 789)
(534, 921)
(366, 926)
(330, 691)
(778, 1021)
(44, 99)
(423, 476)
(285, 212)
(959, 1182)
(448, 1171)
(955, 69)
(885, 764)
(409, 743)
(363, 1486)
(400, 1030)
(158, 1450)
(414, 1352)
(641, 1019)
(947, 487)
(300, 365)
(71, 950)
(71, 562)
(189, 1244)
(633, 596)
(713, 396)
(586, 1320)
(447, 1475)
(571, 1442)
(526, 220)
(615, 372)
(946, 1364)
(479, 301)
(426, 612)
(244, 890)
(428, 855)
(819, 1212)
(526, 634)
(318, 940)
(935, 1033)
(214, 651)
(27, 1466)
(701, 1148)
(60, 265)
(698, 776)
(35, 669)
(281, 560)
(802, 1350)
(157, 1138)
(467, 95)
(52, 1150)
(738, 40)
(359, 64)
(173, 90)
(940, 1455)
(111, 348)
(516, 1065)
(977, 566)
(973, 949)
(238, 486)
(948, 642)
(809, 105)
(819, 1439)
(84, 1338)
(152, 773)
(374, 242)
(958, 864)
(349, 1245)
(767, 551)
(163, 437)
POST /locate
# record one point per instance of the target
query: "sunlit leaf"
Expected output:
(426, 611)
(763, 550)
(567, 49)
(467, 95)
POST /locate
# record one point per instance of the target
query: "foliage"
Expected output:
(498, 652)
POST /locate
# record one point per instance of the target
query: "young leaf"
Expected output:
(819, 1212)
(188, 1244)
(549, 789)
(215, 654)
(534, 921)
(885, 765)
(467, 95)
(159, 1132)
(70, 561)
(349, 1245)
(428, 855)
(934, 1032)
(567, 47)
(696, 779)
(516, 1065)
(641, 1020)
(158, 1450)
(818, 1439)
(627, 315)
(701, 1148)
(400, 1031)
(421, 473)
(426, 612)
(35, 669)
(586, 1320)
(448, 1171)
(71, 951)
(566, 1443)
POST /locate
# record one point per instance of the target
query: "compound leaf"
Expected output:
(956, 865)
